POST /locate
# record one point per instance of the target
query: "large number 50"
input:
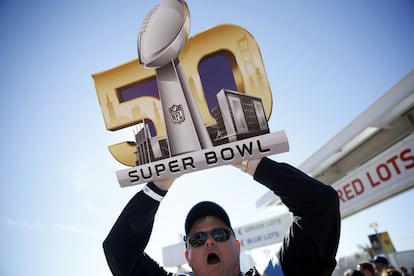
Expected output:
(226, 56)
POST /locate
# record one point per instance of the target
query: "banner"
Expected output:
(265, 232)
(389, 173)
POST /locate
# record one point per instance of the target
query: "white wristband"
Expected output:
(152, 194)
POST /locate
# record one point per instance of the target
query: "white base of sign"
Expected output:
(246, 149)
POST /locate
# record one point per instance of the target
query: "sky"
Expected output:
(326, 61)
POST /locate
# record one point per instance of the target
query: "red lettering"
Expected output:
(394, 164)
(387, 173)
(406, 157)
(383, 172)
(348, 192)
(358, 186)
(373, 184)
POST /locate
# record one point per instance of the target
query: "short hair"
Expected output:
(367, 266)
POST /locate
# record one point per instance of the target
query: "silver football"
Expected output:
(163, 33)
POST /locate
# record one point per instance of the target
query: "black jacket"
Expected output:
(309, 247)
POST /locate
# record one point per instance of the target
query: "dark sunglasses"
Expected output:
(200, 238)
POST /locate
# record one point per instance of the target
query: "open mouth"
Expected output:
(212, 258)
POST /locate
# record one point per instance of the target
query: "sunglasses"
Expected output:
(200, 238)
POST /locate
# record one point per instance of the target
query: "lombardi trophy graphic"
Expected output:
(162, 37)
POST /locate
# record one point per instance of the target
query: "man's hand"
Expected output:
(165, 184)
(250, 166)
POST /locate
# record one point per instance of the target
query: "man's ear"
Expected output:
(186, 255)
(238, 244)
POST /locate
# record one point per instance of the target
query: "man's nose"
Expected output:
(210, 241)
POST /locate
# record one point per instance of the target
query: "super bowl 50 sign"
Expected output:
(196, 102)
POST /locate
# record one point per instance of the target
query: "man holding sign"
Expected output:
(309, 247)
